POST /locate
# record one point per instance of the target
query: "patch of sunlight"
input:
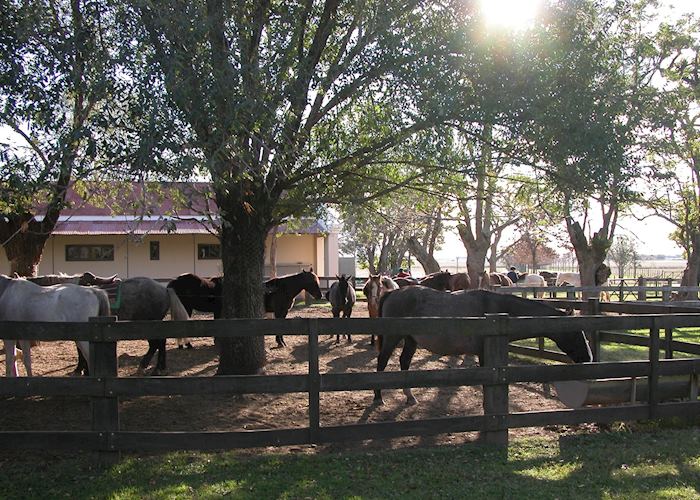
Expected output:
(551, 471)
(223, 489)
(694, 463)
(645, 470)
(676, 492)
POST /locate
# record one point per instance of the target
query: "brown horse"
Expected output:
(460, 281)
(280, 294)
(437, 281)
(488, 281)
(374, 288)
(418, 301)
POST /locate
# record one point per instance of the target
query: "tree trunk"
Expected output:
(24, 240)
(589, 256)
(426, 259)
(692, 268)
(243, 235)
(477, 248)
(273, 252)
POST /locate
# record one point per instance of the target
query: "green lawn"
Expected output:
(662, 463)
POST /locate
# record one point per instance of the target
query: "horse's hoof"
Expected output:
(378, 402)
(180, 346)
(75, 373)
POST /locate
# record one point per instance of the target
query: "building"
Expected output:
(165, 232)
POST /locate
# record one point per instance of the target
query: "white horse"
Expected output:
(531, 280)
(601, 279)
(570, 278)
(22, 300)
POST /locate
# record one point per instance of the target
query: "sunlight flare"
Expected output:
(511, 14)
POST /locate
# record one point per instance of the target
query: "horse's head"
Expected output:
(312, 284)
(372, 287)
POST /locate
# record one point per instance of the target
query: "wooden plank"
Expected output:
(536, 353)
(577, 371)
(220, 384)
(50, 386)
(407, 378)
(53, 440)
(679, 366)
(387, 430)
(654, 347)
(105, 409)
(204, 441)
(496, 395)
(578, 416)
(314, 385)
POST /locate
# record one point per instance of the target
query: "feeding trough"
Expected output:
(578, 393)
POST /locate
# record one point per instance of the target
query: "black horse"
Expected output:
(280, 294)
(342, 297)
(419, 301)
(199, 294)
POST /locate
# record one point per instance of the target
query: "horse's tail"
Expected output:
(103, 301)
(380, 338)
(177, 310)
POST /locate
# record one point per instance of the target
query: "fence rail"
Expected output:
(105, 387)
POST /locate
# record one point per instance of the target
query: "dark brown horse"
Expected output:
(280, 294)
(418, 301)
(342, 297)
(460, 281)
(437, 281)
(199, 294)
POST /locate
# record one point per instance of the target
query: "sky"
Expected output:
(652, 234)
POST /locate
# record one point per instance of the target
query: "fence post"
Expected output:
(642, 292)
(496, 395)
(105, 409)
(654, 346)
(314, 384)
(593, 309)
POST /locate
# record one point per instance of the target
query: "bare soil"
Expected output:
(263, 411)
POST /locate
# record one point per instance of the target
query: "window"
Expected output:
(155, 250)
(208, 252)
(77, 253)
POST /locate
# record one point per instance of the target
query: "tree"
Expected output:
(275, 96)
(675, 144)
(623, 253)
(585, 115)
(57, 92)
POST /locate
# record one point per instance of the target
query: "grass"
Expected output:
(660, 463)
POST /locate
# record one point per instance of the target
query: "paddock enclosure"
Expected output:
(316, 392)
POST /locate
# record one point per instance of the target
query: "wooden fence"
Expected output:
(105, 387)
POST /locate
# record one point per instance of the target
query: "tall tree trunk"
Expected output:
(691, 274)
(243, 234)
(273, 252)
(426, 259)
(477, 248)
(24, 243)
(589, 255)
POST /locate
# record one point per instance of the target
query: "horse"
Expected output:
(549, 277)
(531, 280)
(85, 279)
(488, 281)
(280, 294)
(437, 281)
(460, 281)
(600, 278)
(402, 282)
(371, 290)
(143, 298)
(420, 301)
(22, 300)
(197, 293)
(342, 297)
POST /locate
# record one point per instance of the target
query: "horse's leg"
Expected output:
(281, 315)
(27, 355)
(409, 349)
(389, 343)
(347, 315)
(10, 358)
(160, 368)
(146, 359)
(82, 368)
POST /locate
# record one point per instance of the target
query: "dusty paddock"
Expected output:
(262, 411)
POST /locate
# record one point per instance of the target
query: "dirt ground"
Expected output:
(263, 411)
